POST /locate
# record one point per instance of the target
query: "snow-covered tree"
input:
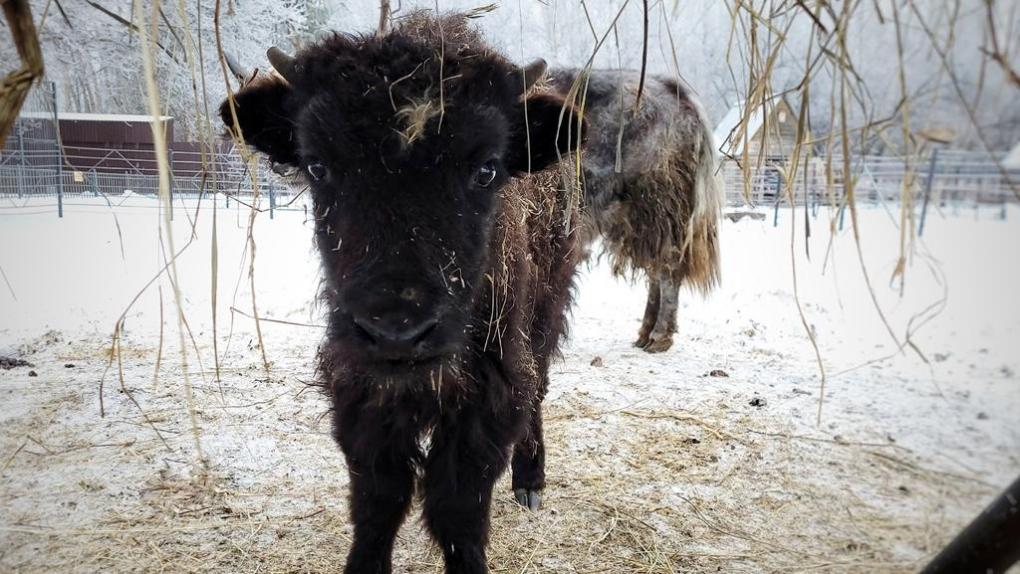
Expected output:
(92, 50)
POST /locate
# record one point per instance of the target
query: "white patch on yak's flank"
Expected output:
(709, 198)
(668, 226)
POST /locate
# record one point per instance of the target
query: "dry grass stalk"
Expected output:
(252, 162)
(15, 86)
(576, 96)
(791, 176)
(160, 142)
(416, 116)
(759, 32)
(384, 16)
(7, 282)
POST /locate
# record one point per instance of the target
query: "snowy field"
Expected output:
(708, 458)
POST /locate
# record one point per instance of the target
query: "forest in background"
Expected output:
(958, 57)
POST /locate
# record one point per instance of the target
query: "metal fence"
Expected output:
(34, 134)
(35, 163)
(35, 174)
(942, 176)
(95, 171)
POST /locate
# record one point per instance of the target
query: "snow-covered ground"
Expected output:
(657, 463)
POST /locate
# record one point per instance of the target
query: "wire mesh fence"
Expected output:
(37, 161)
(942, 176)
(30, 159)
(60, 155)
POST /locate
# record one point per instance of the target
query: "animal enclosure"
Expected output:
(32, 163)
(650, 458)
(395, 342)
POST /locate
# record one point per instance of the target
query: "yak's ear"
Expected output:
(551, 131)
(264, 118)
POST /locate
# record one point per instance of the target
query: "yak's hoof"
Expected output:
(642, 341)
(530, 499)
(659, 345)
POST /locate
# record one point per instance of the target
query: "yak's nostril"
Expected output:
(365, 332)
(430, 326)
(394, 331)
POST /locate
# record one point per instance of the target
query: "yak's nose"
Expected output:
(395, 332)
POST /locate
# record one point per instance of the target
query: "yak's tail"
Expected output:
(702, 237)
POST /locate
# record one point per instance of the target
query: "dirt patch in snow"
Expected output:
(8, 363)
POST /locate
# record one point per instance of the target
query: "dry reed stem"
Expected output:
(15, 85)
(7, 282)
(10, 459)
(524, 82)
(907, 192)
(644, 60)
(206, 151)
(999, 55)
(251, 160)
(957, 87)
(160, 144)
(576, 96)
(384, 16)
(277, 321)
(159, 349)
(758, 32)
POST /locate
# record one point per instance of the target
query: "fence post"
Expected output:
(779, 198)
(60, 152)
(809, 177)
(272, 200)
(927, 189)
(170, 168)
(21, 160)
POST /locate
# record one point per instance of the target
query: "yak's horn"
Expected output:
(235, 68)
(283, 63)
(533, 72)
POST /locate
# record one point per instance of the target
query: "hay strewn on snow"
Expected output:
(644, 488)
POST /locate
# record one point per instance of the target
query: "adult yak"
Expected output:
(447, 261)
(650, 187)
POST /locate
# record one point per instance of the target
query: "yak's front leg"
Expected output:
(651, 314)
(462, 467)
(661, 338)
(382, 484)
(528, 465)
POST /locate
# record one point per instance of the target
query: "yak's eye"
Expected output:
(486, 174)
(316, 170)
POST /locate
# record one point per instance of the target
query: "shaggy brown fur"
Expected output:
(650, 188)
(447, 267)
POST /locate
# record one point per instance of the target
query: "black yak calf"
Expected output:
(650, 188)
(447, 267)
